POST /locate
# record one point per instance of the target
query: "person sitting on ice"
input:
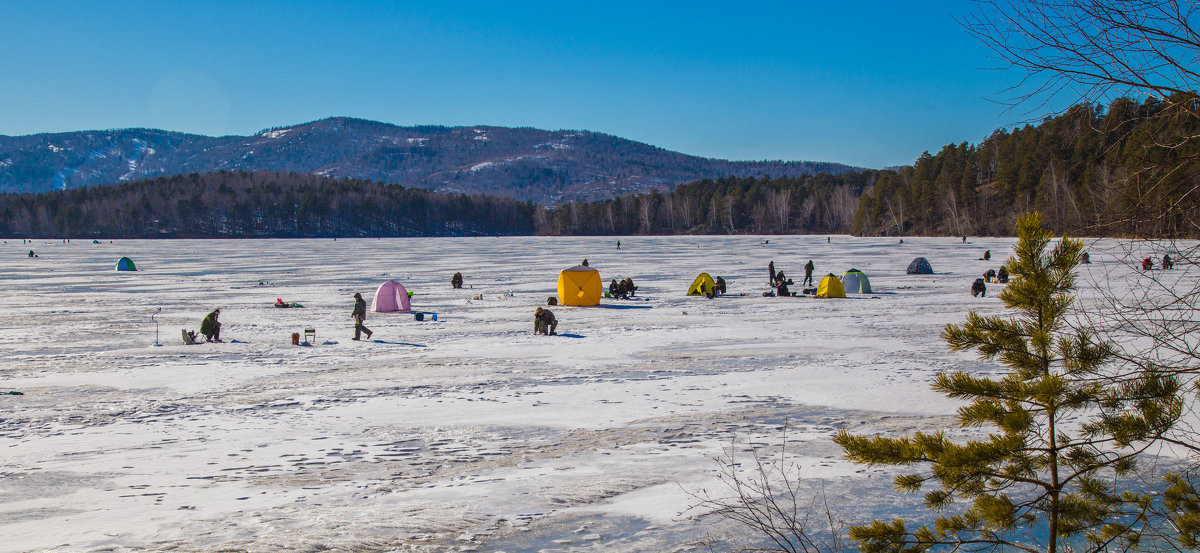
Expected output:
(1086, 259)
(1167, 263)
(456, 280)
(210, 327)
(614, 290)
(629, 287)
(720, 285)
(978, 289)
(1147, 264)
(782, 290)
(987, 255)
(989, 274)
(1002, 276)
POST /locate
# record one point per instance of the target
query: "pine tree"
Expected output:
(1064, 439)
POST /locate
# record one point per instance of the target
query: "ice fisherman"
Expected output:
(544, 322)
(978, 288)
(456, 280)
(771, 269)
(720, 282)
(808, 269)
(359, 315)
(1167, 263)
(210, 327)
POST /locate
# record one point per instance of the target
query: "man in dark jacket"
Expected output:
(808, 269)
(978, 288)
(720, 282)
(456, 280)
(210, 327)
(359, 315)
(771, 269)
(544, 322)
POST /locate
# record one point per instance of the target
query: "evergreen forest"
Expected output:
(231, 204)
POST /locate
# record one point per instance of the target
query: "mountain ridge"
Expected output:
(523, 163)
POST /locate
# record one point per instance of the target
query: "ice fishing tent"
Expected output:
(579, 285)
(391, 296)
(830, 287)
(856, 282)
(704, 281)
(125, 264)
(920, 266)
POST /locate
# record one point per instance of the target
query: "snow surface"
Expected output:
(465, 433)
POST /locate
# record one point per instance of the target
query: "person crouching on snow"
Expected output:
(210, 327)
(359, 315)
(544, 322)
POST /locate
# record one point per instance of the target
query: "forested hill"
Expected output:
(230, 204)
(1129, 170)
(523, 163)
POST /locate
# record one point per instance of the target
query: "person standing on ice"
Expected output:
(771, 269)
(808, 269)
(210, 327)
(359, 315)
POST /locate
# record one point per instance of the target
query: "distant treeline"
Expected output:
(231, 204)
(808, 204)
(1130, 170)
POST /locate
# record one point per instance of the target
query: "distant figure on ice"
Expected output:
(978, 289)
(456, 280)
(901, 240)
(964, 240)
(782, 290)
(1147, 264)
(629, 287)
(771, 270)
(31, 254)
(1167, 263)
(1086, 259)
(359, 315)
(544, 322)
(780, 278)
(989, 274)
(808, 269)
(618, 244)
(210, 327)
(720, 282)
(584, 263)
(987, 255)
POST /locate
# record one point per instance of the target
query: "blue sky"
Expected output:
(866, 83)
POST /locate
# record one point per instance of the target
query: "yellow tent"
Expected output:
(579, 285)
(705, 281)
(830, 287)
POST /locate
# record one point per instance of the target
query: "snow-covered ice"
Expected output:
(465, 433)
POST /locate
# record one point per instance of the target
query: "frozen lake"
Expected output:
(465, 433)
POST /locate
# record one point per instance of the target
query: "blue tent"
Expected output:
(920, 266)
(125, 264)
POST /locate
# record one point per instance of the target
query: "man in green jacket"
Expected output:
(210, 327)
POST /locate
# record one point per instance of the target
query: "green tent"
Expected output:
(856, 282)
(125, 264)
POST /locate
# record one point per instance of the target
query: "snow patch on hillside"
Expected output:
(276, 134)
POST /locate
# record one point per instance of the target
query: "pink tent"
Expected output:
(391, 296)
